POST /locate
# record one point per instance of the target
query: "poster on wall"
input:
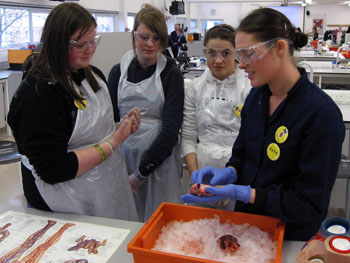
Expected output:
(318, 23)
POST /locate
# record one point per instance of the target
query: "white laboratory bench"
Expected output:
(310, 55)
(322, 72)
(290, 249)
(194, 72)
(322, 69)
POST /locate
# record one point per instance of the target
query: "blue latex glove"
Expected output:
(214, 176)
(230, 191)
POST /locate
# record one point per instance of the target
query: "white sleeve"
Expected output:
(246, 89)
(189, 126)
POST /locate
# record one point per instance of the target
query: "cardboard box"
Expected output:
(18, 56)
(140, 246)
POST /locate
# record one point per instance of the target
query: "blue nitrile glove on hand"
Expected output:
(214, 176)
(230, 191)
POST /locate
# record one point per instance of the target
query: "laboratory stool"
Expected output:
(8, 152)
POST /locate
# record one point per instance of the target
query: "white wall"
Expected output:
(230, 12)
(111, 49)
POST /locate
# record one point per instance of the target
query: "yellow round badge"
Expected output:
(80, 105)
(238, 110)
(273, 151)
(281, 134)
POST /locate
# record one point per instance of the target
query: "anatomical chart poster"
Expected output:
(30, 238)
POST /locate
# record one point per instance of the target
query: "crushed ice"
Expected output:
(198, 238)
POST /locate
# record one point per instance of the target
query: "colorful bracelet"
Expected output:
(101, 152)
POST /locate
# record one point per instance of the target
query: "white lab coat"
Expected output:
(210, 116)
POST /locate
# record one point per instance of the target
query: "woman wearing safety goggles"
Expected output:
(285, 159)
(147, 79)
(213, 103)
(62, 120)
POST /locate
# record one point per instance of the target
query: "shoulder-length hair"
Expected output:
(154, 19)
(52, 61)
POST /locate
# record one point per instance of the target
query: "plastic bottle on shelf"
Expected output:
(334, 64)
(319, 46)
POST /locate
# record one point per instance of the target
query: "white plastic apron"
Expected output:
(215, 119)
(105, 189)
(164, 184)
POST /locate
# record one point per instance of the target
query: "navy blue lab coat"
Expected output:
(297, 186)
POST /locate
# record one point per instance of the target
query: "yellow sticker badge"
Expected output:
(273, 152)
(281, 134)
(238, 110)
(80, 105)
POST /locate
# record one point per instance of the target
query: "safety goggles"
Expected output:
(146, 38)
(212, 54)
(81, 46)
(251, 55)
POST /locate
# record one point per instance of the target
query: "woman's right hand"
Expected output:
(129, 125)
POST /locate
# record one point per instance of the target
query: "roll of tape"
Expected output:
(340, 244)
(316, 260)
(335, 226)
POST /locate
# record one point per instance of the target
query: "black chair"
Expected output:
(8, 152)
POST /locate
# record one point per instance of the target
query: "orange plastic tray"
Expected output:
(140, 246)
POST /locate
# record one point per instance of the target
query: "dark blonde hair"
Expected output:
(52, 62)
(154, 19)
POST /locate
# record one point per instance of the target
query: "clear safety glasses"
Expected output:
(81, 46)
(146, 38)
(212, 54)
(251, 55)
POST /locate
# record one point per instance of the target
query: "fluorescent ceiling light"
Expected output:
(303, 4)
(308, 1)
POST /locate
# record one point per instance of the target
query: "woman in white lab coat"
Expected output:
(213, 103)
(62, 121)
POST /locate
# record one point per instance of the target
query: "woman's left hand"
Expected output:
(230, 191)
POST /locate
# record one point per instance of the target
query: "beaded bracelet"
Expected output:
(110, 145)
(101, 152)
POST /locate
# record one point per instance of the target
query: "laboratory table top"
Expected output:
(318, 67)
(310, 55)
(5, 73)
(325, 67)
(289, 251)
